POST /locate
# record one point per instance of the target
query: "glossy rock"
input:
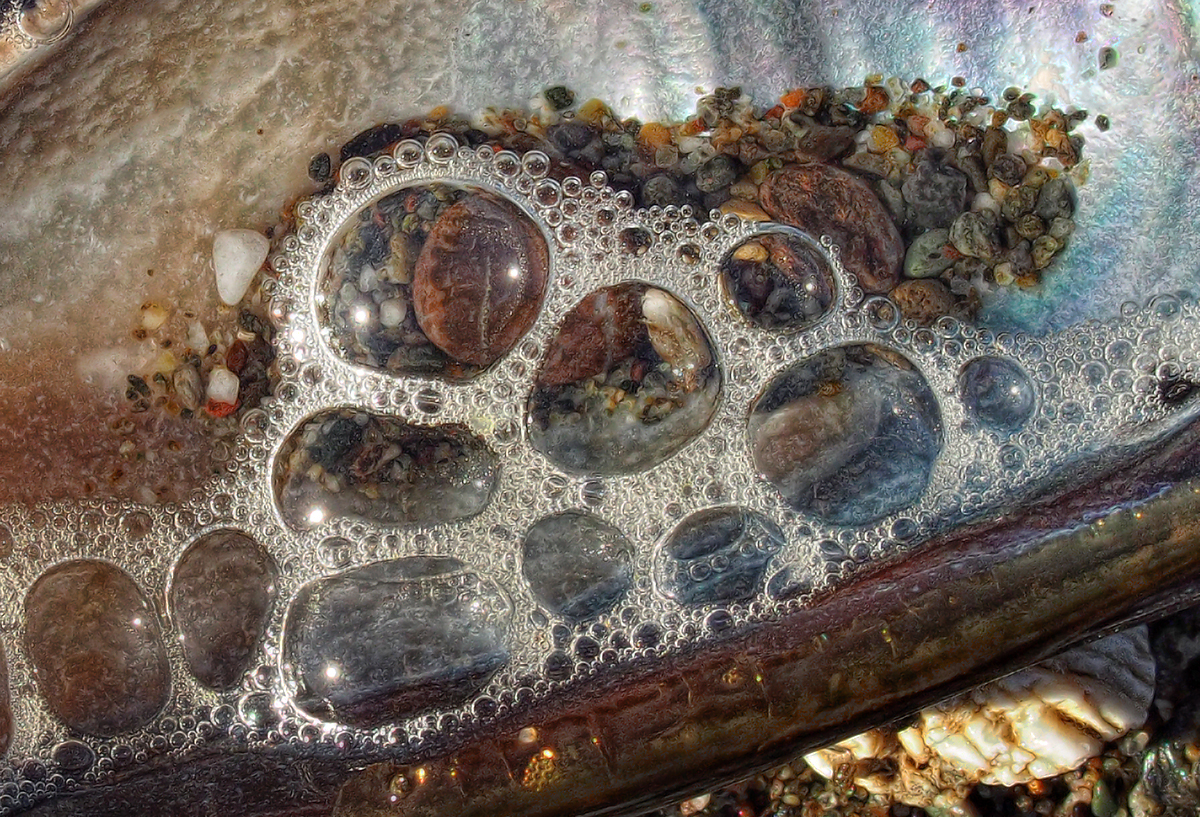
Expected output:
(778, 281)
(394, 638)
(577, 566)
(221, 594)
(96, 648)
(718, 555)
(480, 279)
(823, 200)
(630, 377)
(849, 435)
(346, 463)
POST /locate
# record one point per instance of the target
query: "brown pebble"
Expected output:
(594, 336)
(479, 279)
(823, 200)
(923, 300)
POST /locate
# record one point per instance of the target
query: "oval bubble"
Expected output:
(394, 638)
(96, 648)
(629, 378)
(717, 555)
(849, 434)
(997, 393)
(359, 465)
(577, 565)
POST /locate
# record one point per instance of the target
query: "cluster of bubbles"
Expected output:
(423, 505)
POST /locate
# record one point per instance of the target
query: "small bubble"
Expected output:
(536, 164)
(591, 492)
(46, 21)
(428, 401)
(335, 552)
(136, 524)
(441, 148)
(256, 709)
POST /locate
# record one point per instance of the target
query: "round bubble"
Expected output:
(778, 280)
(997, 393)
(577, 565)
(848, 435)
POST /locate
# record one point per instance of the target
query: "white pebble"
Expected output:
(392, 312)
(154, 316)
(222, 386)
(942, 139)
(237, 256)
(197, 337)
(984, 201)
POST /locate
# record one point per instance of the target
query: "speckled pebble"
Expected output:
(926, 257)
(923, 300)
(974, 234)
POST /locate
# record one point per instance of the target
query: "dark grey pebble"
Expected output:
(936, 194)
(372, 140)
(717, 173)
(320, 168)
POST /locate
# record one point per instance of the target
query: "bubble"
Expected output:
(409, 153)
(779, 280)
(257, 709)
(577, 565)
(46, 21)
(536, 164)
(222, 591)
(346, 463)
(717, 555)
(394, 638)
(997, 393)
(96, 647)
(849, 434)
(441, 148)
(628, 379)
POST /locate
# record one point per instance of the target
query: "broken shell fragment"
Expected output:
(1030, 725)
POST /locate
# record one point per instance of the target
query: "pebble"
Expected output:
(96, 648)
(237, 257)
(717, 173)
(186, 381)
(223, 386)
(1055, 200)
(392, 312)
(480, 279)
(923, 300)
(935, 194)
(154, 316)
(974, 234)
(926, 256)
(824, 200)
(1008, 168)
(1043, 251)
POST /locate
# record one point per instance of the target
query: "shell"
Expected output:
(1033, 724)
